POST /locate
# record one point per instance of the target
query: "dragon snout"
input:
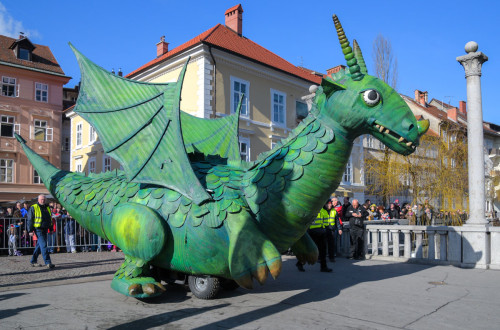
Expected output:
(423, 126)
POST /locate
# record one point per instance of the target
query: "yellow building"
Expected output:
(223, 65)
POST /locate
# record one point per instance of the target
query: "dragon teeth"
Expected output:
(377, 126)
(387, 131)
(381, 128)
(400, 139)
(409, 144)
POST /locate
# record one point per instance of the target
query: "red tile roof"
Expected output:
(443, 115)
(226, 39)
(42, 57)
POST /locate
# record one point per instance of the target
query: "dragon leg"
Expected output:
(141, 233)
(306, 250)
(251, 253)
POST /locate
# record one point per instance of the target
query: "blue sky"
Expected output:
(426, 36)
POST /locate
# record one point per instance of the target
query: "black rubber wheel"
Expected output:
(229, 285)
(204, 287)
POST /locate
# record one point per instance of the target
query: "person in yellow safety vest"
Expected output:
(333, 228)
(39, 221)
(317, 232)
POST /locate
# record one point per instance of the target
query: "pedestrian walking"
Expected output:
(39, 221)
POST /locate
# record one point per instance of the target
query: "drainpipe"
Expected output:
(214, 111)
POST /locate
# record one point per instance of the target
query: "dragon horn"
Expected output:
(359, 57)
(354, 68)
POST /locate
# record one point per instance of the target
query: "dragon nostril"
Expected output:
(410, 127)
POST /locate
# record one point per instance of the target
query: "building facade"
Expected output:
(30, 105)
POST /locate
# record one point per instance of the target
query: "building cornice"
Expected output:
(17, 66)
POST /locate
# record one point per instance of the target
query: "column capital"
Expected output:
(473, 60)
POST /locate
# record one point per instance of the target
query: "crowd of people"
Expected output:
(327, 228)
(64, 234)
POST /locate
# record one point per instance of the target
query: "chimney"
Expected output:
(161, 47)
(462, 106)
(421, 97)
(21, 35)
(452, 114)
(234, 19)
(120, 73)
(335, 69)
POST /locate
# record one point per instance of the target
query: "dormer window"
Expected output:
(23, 48)
(23, 54)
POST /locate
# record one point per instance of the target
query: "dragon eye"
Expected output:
(371, 97)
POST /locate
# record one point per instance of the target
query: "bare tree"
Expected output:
(386, 64)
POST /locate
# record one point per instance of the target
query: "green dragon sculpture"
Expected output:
(185, 202)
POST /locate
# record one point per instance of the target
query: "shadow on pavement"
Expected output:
(11, 295)
(48, 280)
(11, 312)
(317, 287)
(165, 318)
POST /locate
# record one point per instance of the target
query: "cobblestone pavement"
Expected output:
(17, 273)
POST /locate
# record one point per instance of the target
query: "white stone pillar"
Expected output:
(472, 64)
(475, 240)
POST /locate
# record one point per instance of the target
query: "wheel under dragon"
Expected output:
(186, 205)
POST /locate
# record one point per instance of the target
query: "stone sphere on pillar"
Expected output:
(471, 47)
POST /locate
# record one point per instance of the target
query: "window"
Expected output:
(347, 178)
(78, 166)
(66, 144)
(6, 170)
(370, 142)
(92, 165)
(245, 149)
(240, 87)
(301, 110)
(369, 179)
(41, 92)
(42, 131)
(9, 87)
(36, 177)
(23, 54)
(92, 135)
(278, 107)
(79, 128)
(8, 126)
(106, 164)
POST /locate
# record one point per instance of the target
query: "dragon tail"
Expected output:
(49, 174)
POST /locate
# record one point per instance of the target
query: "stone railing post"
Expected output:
(407, 250)
(419, 253)
(431, 251)
(374, 233)
(385, 242)
(395, 243)
(443, 244)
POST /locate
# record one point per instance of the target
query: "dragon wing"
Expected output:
(139, 125)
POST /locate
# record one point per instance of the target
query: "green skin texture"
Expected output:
(258, 209)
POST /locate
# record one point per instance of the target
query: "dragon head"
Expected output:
(357, 103)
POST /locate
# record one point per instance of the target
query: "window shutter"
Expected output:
(31, 132)
(17, 129)
(50, 133)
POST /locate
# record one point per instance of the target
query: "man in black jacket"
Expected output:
(356, 214)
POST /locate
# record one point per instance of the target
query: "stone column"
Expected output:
(472, 64)
(475, 241)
